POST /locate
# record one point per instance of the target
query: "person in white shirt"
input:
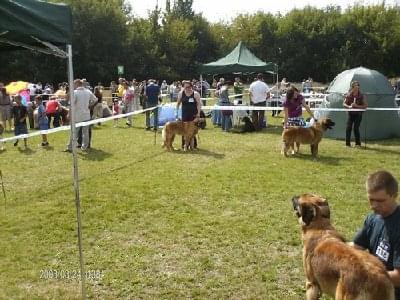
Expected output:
(81, 112)
(259, 93)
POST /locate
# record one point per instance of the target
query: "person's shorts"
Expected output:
(5, 112)
(297, 121)
(20, 129)
(43, 126)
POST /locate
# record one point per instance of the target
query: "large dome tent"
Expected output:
(379, 94)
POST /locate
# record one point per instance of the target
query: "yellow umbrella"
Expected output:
(16, 86)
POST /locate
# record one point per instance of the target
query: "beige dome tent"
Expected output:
(379, 94)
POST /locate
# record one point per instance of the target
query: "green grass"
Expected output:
(212, 224)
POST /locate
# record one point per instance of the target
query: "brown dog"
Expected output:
(332, 266)
(300, 135)
(187, 129)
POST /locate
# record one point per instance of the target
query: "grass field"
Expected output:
(212, 224)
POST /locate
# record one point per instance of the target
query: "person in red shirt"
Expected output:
(53, 110)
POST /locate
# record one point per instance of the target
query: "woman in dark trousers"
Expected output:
(354, 99)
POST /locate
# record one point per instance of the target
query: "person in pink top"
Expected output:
(293, 108)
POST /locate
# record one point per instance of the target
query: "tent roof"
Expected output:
(371, 82)
(32, 24)
(239, 60)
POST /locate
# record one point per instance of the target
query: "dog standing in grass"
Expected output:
(301, 135)
(186, 129)
(332, 266)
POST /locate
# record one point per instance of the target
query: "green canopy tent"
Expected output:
(47, 28)
(240, 60)
(379, 94)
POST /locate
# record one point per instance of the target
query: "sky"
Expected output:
(216, 10)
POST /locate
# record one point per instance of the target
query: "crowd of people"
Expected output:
(49, 107)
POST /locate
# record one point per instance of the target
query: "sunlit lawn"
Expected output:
(212, 224)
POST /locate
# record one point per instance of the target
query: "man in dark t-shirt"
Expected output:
(380, 234)
(152, 92)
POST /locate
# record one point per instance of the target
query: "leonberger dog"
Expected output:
(186, 129)
(300, 135)
(331, 265)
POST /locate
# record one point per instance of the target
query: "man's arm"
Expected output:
(198, 103)
(395, 277)
(178, 103)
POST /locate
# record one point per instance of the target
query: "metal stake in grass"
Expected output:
(4, 190)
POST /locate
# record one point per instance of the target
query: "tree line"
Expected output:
(172, 43)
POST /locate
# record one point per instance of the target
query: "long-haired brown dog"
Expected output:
(186, 129)
(300, 135)
(332, 266)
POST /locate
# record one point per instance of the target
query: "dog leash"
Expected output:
(4, 191)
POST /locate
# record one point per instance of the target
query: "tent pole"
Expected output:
(365, 132)
(75, 173)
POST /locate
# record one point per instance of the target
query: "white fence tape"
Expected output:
(214, 107)
(80, 124)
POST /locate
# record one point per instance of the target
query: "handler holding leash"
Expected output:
(293, 108)
(191, 105)
(380, 234)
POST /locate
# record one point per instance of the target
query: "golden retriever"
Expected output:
(301, 135)
(332, 266)
(186, 129)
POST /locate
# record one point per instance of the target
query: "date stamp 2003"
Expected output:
(90, 275)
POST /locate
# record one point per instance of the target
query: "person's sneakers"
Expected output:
(348, 145)
(44, 144)
(128, 124)
(358, 146)
(16, 143)
(67, 150)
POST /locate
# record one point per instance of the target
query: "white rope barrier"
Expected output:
(77, 125)
(206, 108)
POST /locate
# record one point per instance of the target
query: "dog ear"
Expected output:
(324, 209)
(308, 212)
(295, 202)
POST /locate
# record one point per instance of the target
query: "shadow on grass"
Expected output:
(26, 151)
(380, 149)
(324, 159)
(95, 155)
(203, 152)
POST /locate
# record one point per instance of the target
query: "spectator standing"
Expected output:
(398, 86)
(152, 92)
(136, 95)
(226, 120)
(20, 113)
(98, 106)
(43, 121)
(354, 99)
(5, 107)
(81, 113)
(127, 99)
(259, 92)
(238, 90)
